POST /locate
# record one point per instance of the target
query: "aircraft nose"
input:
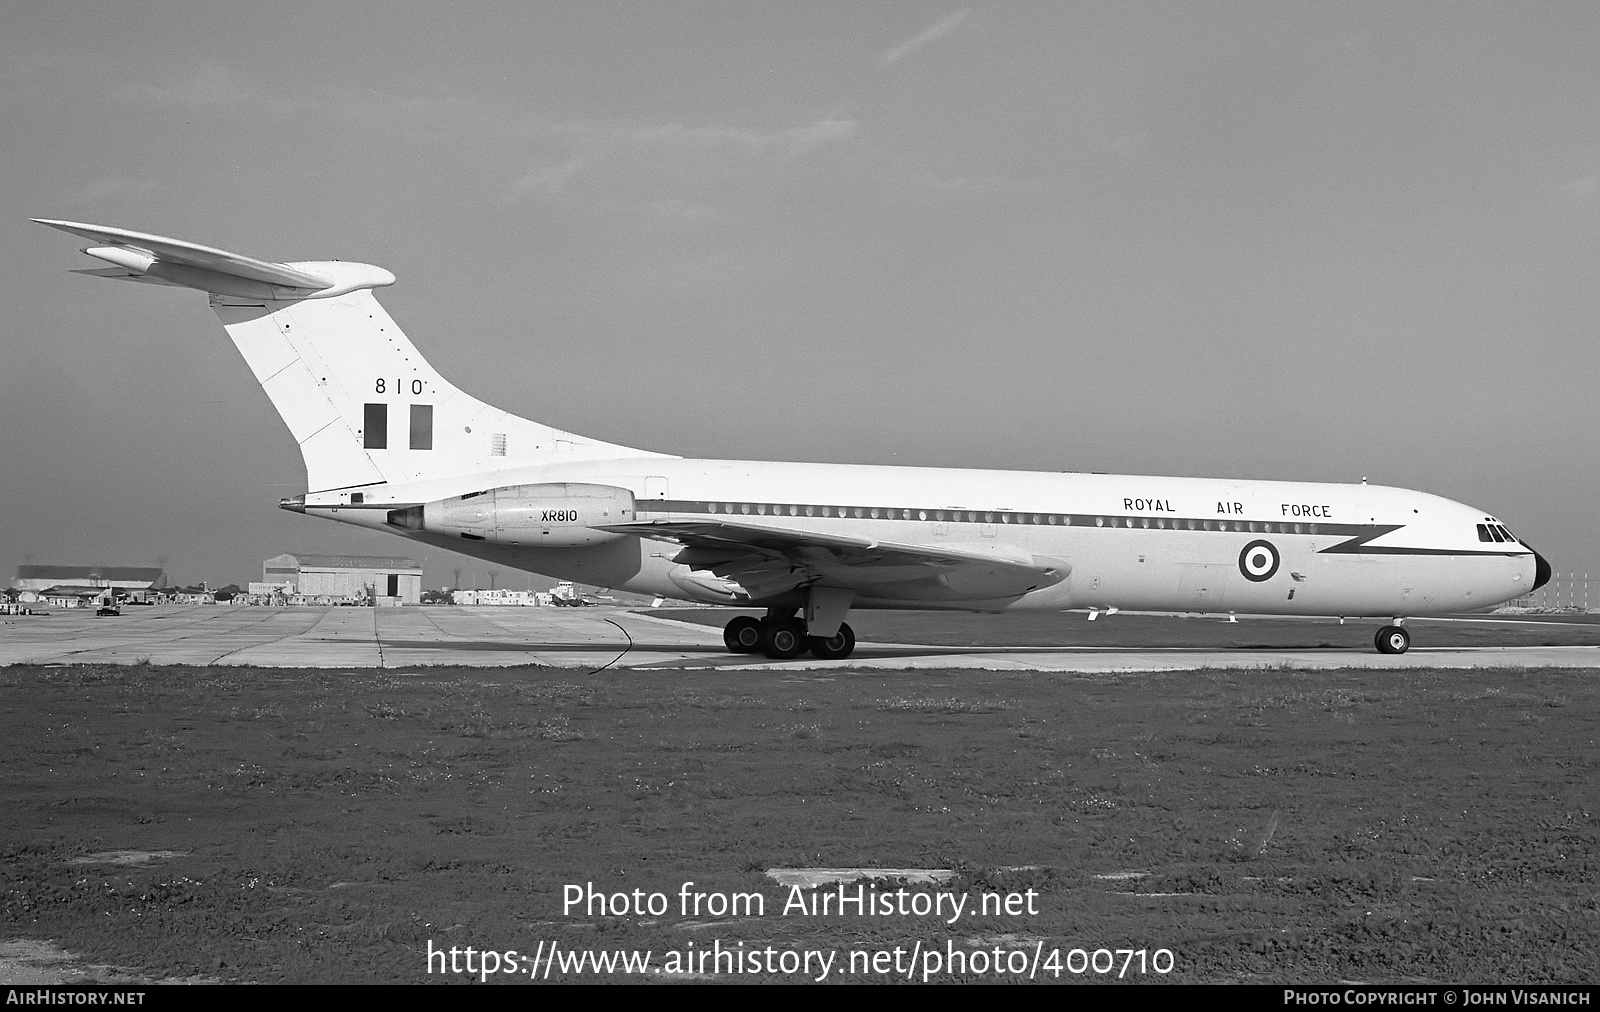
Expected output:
(1541, 571)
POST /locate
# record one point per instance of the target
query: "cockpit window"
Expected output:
(1483, 533)
(1501, 528)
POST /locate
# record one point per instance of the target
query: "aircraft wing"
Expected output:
(769, 559)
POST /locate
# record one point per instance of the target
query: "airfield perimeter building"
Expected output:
(72, 586)
(388, 579)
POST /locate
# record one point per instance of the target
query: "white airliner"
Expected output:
(391, 445)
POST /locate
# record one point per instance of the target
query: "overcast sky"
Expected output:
(1300, 241)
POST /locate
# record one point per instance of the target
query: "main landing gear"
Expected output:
(782, 636)
(1393, 639)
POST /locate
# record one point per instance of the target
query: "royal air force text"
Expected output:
(1289, 509)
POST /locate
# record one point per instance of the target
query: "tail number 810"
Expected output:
(381, 386)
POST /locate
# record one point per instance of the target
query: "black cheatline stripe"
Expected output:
(1358, 546)
(1012, 518)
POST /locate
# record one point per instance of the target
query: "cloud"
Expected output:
(552, 158)
(544, 181)
(785, 144)
(944, 26)
(25, 66)
(1125, 145)
(213, 86)
(672, 211)
(1578, 199)
(112, 186)
(659, 162)
(1582, 190)
(980, 185)
(218, 87)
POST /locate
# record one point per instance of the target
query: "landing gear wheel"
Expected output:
(742, 634)
(836, 647)
(1393, 639)
(783, 639)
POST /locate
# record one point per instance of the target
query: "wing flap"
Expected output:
(874, 567)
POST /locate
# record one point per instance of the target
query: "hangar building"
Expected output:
(121, 577)
(71, 586)
(385, 579)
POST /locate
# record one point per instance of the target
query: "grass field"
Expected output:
(1262, 826)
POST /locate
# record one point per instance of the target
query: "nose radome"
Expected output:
(1541, 570)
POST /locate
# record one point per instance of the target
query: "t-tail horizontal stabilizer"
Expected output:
(156, 259)
(365, 406)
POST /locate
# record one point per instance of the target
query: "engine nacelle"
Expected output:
(548, 515)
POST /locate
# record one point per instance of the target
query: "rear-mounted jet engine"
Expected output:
(549, 515)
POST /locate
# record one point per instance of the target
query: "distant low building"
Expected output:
(375, 578)
(80, 586)
(501, 598)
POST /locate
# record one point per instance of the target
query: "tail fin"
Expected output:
(364, 405)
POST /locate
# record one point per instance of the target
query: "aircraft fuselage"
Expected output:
(1130, 542)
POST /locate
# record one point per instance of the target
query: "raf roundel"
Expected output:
(1258, 561)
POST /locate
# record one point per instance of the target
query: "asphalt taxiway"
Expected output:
(607, 637)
